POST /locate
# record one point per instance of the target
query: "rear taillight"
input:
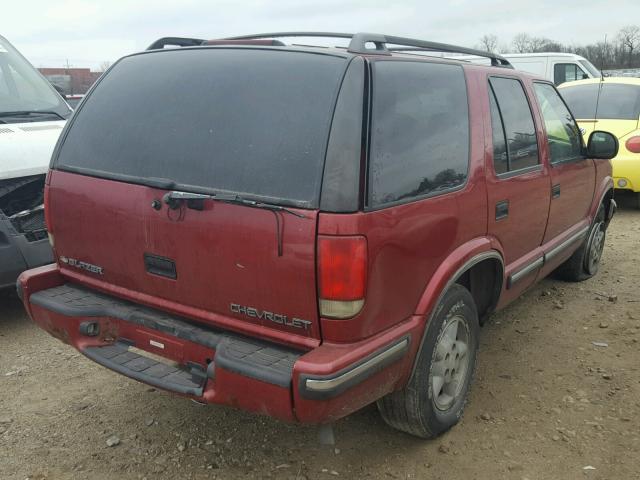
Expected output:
(47, 214)
(633, 144)
(342, 275)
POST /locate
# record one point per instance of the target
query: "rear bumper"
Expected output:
(217, 366)
(18, 254)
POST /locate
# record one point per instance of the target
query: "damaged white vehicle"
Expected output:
(32, 115)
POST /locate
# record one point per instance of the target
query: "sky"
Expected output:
(90, 33)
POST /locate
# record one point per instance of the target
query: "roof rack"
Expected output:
(360, 41)
(175, 42)
(196, 42)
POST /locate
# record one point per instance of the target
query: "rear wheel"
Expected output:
(435, 396)
(585, 261)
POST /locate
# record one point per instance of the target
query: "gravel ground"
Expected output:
(547, 403)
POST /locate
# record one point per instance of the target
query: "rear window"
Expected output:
(617, 101)
(420, 137)
(252, 122)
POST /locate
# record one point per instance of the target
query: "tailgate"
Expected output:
(251, 124)
(221, 262)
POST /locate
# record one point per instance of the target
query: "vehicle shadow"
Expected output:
(11, 308)
(627, 200)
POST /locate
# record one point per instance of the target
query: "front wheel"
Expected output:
(585, 261)
(434, 398)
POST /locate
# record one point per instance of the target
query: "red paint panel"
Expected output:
(248, 394)
(224, 254)
(227, 388)
(408, 243)
(330, 358)
(577, 184)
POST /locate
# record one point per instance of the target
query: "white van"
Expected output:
(556, 67)
(32, 115)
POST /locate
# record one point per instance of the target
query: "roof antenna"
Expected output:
(601, 82)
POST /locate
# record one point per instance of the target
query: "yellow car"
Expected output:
(618, 112)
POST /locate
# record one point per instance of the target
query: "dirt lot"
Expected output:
(547, 404)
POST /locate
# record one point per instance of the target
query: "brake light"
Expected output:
(342, 275)
(47, 208)
(633, 144)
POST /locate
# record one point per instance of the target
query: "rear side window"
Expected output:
(617, 101)
(420, 132)
(500, 156)
(248, 121)
(509, 105)
(563, 135)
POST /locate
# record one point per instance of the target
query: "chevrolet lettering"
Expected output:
(272, 317)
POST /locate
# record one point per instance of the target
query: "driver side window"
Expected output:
(567, 72)
(563, 134)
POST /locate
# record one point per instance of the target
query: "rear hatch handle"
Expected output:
(175, 199)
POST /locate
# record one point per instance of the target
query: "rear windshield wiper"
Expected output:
(22, 113)
(256, 204)
(174, 200)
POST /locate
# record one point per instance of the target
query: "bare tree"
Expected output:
(104, 66)
(629, 37)
(489, 43)
(624, 52)
(522, 43)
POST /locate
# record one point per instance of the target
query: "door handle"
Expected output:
(555, 191)
(502, 209)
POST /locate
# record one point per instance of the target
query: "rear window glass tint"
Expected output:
(522, 143)
(420, 137)
(239, 120)
(563, 135)
(500, 155)
(617, 101)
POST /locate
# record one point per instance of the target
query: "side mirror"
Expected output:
(602, 145)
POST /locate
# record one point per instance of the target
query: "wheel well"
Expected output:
(484, 281)
(607, 199)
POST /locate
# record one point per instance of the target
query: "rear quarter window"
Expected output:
(420, 131)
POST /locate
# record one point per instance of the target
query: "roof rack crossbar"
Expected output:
(360, 40)
(359, 43)
(292, 34)
(175, 42)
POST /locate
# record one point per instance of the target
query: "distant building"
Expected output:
(71, 80)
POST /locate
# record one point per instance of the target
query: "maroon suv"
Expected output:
(301, 231)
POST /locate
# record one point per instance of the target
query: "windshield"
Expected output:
(617, 101)
(595, 73)
(23, 89)
(249, 121)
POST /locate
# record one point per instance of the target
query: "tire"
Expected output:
(434, 398)
(585, 261)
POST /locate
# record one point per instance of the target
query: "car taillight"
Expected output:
(342, 275)
(47, 215)
(633, 144)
